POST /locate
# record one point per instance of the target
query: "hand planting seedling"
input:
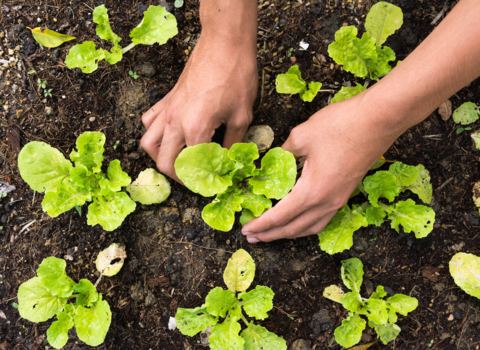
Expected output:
(338, 235)
(465, 270)
(208, 169)
(292, 83)
(381, 314)
(45, 169)
(238, 276)
(157, 26)
(42, 297)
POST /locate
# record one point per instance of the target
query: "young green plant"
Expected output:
(208, 169)
(465, 270)
(220, 303)
(45, 169)
(381, 314)
(292, 83)
(157, 26)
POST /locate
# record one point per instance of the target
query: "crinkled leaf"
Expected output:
(109, 212)
(110, 261)
(403, 304)
(422, 186)
(352, 52)
(193, 321)
(42, 167)
(416, 218)
(309, 95)
(466, 114)
(150, 187)
(383, 20)
(290, 82)
(375, 215)
(54, 277)
(57, 334)
(379, 293)
(348, 92)
(277, 175)
(405, 175)
(87, 293)
(92, 324)
(334, 293)
(379, 67)
(352, 273)
(205, 168)
(465, 270)
(36, 303)
(259, 338)
(244, 153)
(219, 301)
(387, 332)
(242, 172)
(376, 310)
(50, 38)
(117, 178)
(220, 214)
(246, 217)
(350, 332)
(66, 197)
(90, 151)
(105, 32)
(157, 26)
(256, 203)
(83, 180)
(226, 336)
(235, 313)
(239, 272)
(381, 184)
(352, 302)
(338, 235)
(257, 302)
(84, 56)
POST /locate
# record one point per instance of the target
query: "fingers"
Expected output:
(152, 139)
(236, 128)
(149, 116)
(172, 144)
(296, 142)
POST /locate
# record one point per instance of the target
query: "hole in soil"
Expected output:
(114, 261)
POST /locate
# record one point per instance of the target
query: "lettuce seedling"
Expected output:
(467, 113)
(45, 169)
(348, 92)
(292, 83)
(366, 56)
(381, 314)
(338, 235)
(157, 26)
(465, 270)
(238, 276)
(208, 169)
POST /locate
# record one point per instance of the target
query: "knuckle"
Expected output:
(147, 142)
(164, 167)
(296, 139)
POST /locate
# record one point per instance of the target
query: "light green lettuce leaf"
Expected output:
(352, 52)
(256, 203)
(375, 215)
(83, 180)
(392, 316)
(257, 302)
(157, 26)
(90, 151)
(422, 186)
(402, 304)
(244, 153)
(150, 187)
(105, 32)
(246, 217)
(465, 270)
(313, 89)
(416, 218)
(381, 184)
(109, 212)
(87, 293)
(387, 332)
(66, 197)
(92, 324)
(348, 92)
(405, 175)
(352, 301)
(383, 20)
(277, 175)
(350, 332)
(334, 293)
(476, 138)
(193, 321)
(219, 301)
(378, 163)
(117, 177)
(239, 272)
(205, 168)
(290, 82)
(57, 333)
(242, 172)
(379, 67)
(220, 214)
(352, 274)
(84, 56)
(379, 293)
(338, 235)
(42, 167)
(259, 338)
(467, 113)
(235, 313)
(376, 310)
(226, 336)
(36, 303)
(54, 277)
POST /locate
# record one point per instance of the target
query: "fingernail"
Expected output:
(252, 240)
(246, 233)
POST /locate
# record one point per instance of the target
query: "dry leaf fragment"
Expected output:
(445, 110)
(110, 261)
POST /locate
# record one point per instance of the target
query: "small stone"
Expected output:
(134, 155)
(45, 232)
(261, 135)
(300, 344)
(315, 11)
(457, 314)
(70, 251)
(389, 291)
(283, 22)
(366, 337)
(293, 59)
(368, 287)
(205, 336)
(68, 257)
(119, 122)
(14, 88)
(92, 119)
(321, 322)
(146, 69)
(130, 146)
(140, 9)
(32, 97)
(190, 234)
(48, 111)
(450, 318)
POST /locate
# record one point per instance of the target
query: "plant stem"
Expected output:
(127, 48)
(327, 91)
(245, 320)
(73, 296)
(98, 281)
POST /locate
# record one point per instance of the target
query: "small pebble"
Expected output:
(457, 314)
(92, 119)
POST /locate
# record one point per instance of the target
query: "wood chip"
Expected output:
(445, 110)
(430, 273)
(14, 139)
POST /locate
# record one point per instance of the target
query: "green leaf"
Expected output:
(381, 184)
(387, 332)
(334, 293)
(150, 187)
(352, 302)
(109, 212)
(403, 304)
(205, 168)
(105, 32)
(476, 138)
(383, 20)
(84, 56)
(277, 175)
(422, 186)
(379, 293)
(90, 151)
(290, 82)
(257, 302)
(57, 334)
(239, 272)
(49, 38)
(416, 218)
(178, 3)
(220, 214)
(246, 217)
(157, 26)
(350, 332)
(193, 321)
(405, 175)
(87, 293)
(83, 180)
(376, 310)
(348, 92)
(375, 215)
(54, 277)
(465, 270)
(379, 67)
(352, 274)
(259, 338)
(219, 301)
(226, 336)
(256, 203)
(66, 197)
(338, 235)
(92, 324)
(466, 114)
(42, 167)
(244, 153)
(117, 177)
(36, 303)
(309, 95)
(352, 52)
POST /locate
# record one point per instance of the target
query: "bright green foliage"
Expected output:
(209, 169)
(381, 314)
(41, 298)
(383, 20)
(347, 92)
(238, 276)
(292, 83)
(476, 138)
(157, 26)
(45, 169)
(467, 113)
(379, 66)
(465, 270)
(338, 234)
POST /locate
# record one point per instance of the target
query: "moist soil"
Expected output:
(174, 259)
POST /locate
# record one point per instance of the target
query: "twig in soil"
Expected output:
(200, 246)
(283, 312)
(26, 226)
(445, 183)
(98, 281)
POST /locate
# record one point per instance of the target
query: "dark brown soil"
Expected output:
(174, 259)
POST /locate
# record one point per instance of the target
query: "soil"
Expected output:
(174, 259)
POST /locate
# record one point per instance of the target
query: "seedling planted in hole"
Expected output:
(133, 74)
